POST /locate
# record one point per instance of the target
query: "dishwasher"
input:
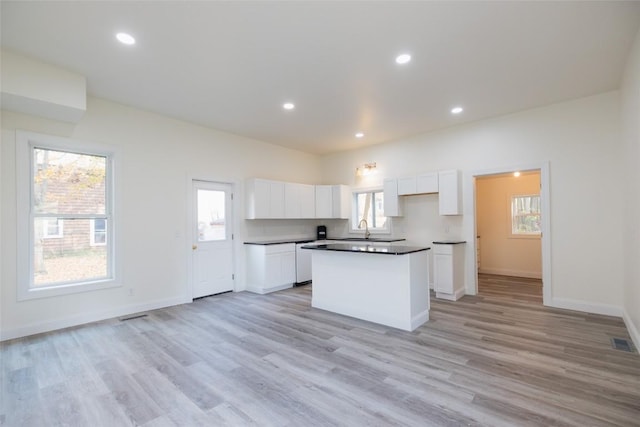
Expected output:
(303, 264)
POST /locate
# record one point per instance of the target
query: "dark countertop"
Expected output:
(309, 240)
(449, 242)
(281, 242)
(371, 249)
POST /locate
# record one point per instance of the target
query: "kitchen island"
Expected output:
(382, 284)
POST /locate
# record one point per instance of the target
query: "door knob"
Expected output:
(194, 247)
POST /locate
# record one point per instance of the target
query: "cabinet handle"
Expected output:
(194, 247)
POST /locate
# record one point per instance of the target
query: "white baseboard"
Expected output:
(633, 331)
(262, 291)
(52, 325)
(588, 307)
(455, 296)
(513, 273)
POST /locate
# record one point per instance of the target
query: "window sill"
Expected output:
(525, 236)
(75, 288)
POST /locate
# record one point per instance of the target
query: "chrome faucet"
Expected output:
(366, 228)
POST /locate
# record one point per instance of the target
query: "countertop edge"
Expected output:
(366, 249)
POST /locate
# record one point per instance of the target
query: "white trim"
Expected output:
(52, 325)
(631, 328)
(469, 196)
(92, 232)
(260, 290)
(354, 212)
(586, 306)
(455, 296)
(45, 229)
(25, 141)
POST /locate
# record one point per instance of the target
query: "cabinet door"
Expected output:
(292, 202)
(288, 267)
(272, 270)
(261, 197)
(276, 200)
(307, 201)
(449, 197)
(341, 202)
(443, 273)
(324, 201)
(392, 203)
(427, 183)
(407, 186)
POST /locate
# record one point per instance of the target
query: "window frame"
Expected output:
(523, 235)
(45, 229)
(92, 233)
(354, 220)
(26, 142)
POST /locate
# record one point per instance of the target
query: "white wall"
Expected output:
(500, 251)
(631, 137)
(580, 140)
(34, 87)
(159, 155)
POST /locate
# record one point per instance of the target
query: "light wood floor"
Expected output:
(247, 359)
(518, 289)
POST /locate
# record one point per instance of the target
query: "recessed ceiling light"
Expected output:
(456, 110)
(125, 38)
(359, 135)
(288, 106)
(403, 59)
(516, 174)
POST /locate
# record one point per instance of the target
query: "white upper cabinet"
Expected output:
(264, 199)
(341, 201)
(450, 194)
(276, 200)
(427, 183)
(420, 184)
(299, 201)
(332, 201)
(392, 203)
(407, 186)
(307, 201)
(324, 201)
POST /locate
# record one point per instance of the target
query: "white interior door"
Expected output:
(212, 239)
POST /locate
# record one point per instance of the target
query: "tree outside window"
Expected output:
(369, 206)
(70, 187)
(525, 215)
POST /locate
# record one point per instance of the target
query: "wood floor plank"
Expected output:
(499, 358)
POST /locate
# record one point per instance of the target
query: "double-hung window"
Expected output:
(61, 181)
(525, 215)
(369, 206)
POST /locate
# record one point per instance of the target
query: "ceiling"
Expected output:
(232, 65)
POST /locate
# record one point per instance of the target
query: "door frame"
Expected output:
(469, 197)
(189, 230)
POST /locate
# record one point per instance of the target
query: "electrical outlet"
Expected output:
(130, 292)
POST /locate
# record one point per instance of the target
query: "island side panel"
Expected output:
(371, 287)
(419, 288)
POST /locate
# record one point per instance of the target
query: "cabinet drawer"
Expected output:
(277, 249)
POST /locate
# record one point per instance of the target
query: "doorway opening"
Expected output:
(511, 223)
(211, 235)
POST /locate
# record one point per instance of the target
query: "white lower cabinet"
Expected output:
(448, 274)
(270, 267)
